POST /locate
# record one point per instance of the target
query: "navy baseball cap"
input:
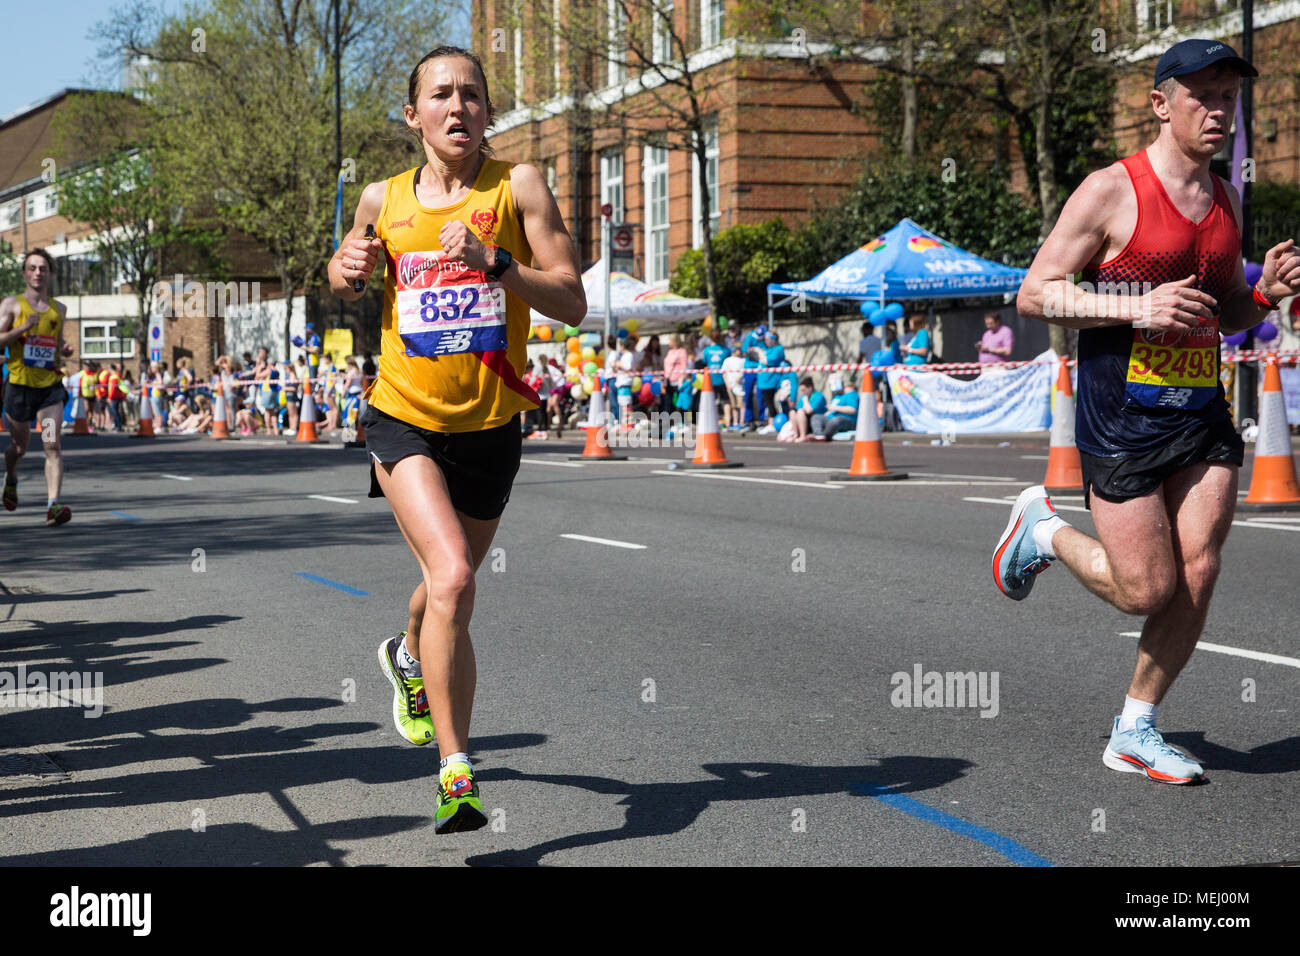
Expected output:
(1192, 55)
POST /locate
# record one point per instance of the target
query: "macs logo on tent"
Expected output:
(875, 245)
(923, 244)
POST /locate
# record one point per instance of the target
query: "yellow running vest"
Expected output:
(452, 349)
(33, 357)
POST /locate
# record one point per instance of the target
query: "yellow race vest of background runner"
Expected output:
(453, 343)
(32, 356)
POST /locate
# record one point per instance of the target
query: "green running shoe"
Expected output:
(410, 705)
(58, 514)
(459, 807)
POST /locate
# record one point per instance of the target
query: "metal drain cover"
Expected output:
(27, 768)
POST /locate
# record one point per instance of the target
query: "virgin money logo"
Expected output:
(417, 270)
(1165, 337)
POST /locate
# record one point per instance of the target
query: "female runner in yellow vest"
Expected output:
(31, 325)
(470, 243)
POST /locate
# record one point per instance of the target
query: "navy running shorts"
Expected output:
(1118, 479)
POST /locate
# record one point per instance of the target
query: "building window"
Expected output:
(711, 174)
(611, 182)
(42, 204)
(655, 167)
(548, 170)
(661, 37)
(710, 22)
(616, 31)
(11, 215)
(100, 339)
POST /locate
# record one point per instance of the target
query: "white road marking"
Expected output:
(692, 473)
(1035, 457)
(176, 477)
(613, 544)
(1010, 501)
(342, 501)
(936, 474)
(557, 464)
(1234, 651)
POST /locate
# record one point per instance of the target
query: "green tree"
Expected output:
(127, 192)
(746, 258)
(247, 89)
(11, 272)
(970, 207)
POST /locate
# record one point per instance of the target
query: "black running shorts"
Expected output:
(22, 403)
(479, 467)
(1133, 476)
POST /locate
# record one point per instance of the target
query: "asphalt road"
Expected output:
(725, 693)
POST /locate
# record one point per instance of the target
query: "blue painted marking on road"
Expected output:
(333, 584)
(123, 514)
(1009, 848)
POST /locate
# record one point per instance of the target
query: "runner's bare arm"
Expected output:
(8, 314)
(1239, 310)
(64, 348)
(1079, 237)
(356, 256)
(554, 285)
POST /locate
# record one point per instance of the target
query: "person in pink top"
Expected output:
(676, 362)
(997, 342)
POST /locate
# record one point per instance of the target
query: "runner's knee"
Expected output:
(450, 589)
(1147, 593)
(1199, 572)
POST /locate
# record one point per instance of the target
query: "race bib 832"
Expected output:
(446, 308)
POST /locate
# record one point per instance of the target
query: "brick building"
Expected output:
(785, 132)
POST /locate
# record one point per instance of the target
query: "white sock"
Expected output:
(450, 759)
(1133, 709)
(1043, 532)
(407, 664)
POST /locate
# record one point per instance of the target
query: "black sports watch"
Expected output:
(502, 264)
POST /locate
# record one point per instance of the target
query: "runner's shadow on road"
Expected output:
(227, 844)
(1281, 756)
(23, 597)
(660, 809)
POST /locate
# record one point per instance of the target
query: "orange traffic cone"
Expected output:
(708, 437)
(1064, 469)
(146, 416)
(220, 423)
(868, 450)
(1273, 485)
(79, 424)
(597, 429)
(307, 420)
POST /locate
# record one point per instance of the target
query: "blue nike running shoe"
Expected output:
(1016, 561)
(1143, 750)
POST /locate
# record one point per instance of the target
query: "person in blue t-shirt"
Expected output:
(769, 382)
(842, 406)
(809, 415)
(916, 351)
(752, 347)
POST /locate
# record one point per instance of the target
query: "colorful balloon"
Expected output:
(588, 353)
(573, 361)
(570, 330)
(544, 333)
(573, 345)
(589, 368)
(632, 324)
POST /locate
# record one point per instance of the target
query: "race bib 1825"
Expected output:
(38, 351)
(446, 308)
(1174, 370)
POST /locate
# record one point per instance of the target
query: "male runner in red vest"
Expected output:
(1157, 240)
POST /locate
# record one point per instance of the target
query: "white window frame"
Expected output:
(555, 46)
(661, 32)
(551, 174)
(711, 22)
(11, 215)
(654, 167)
(611, 183)
(616, 32)
(109, 338)
(715, 211)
